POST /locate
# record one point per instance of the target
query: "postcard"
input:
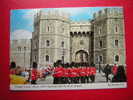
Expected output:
(67, 48)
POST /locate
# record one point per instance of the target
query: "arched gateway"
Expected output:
(81, 56)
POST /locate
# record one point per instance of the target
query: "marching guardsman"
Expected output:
(87, 73)
(78, 74)
(82, 74)
(107, 71)
(66, 75)
(75, 74)
(55, 71)
(92, 73)
(69, 74)
(34, 73)
(60, 74)
(114, 69)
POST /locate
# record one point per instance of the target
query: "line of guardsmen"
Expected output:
(74, 73)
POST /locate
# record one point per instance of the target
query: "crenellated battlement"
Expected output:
(108, 13)
(52, 15)
(73, 23)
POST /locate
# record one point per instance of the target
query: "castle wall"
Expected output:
(54, 30)
(20, 52)
(80, 40)
(109, 30)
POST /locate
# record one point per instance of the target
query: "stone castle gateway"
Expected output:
(56, 37)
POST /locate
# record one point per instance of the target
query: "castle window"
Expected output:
(62, 44)
(116, 28)
(116, 58)
(100, 58)
(100, 44)
(47, 58)
(116, 43)
(81, 42)
(24, 48)
(19, 48)
(35, 58)
(62, 59)
(48, 28)
(47, 43)
(100, 30)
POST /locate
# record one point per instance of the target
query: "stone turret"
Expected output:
(53, 37)
(109, 40)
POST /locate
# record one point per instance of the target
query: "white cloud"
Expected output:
(72, 11)
(29, 14)
(21, 34)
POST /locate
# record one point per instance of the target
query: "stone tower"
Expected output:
(51, 38)
(81, 42)
(109, 39)
(20, 52)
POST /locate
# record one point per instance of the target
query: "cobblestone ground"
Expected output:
(99, 78)
(48, 80)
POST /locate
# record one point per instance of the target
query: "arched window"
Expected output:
(116, 43)
(100, 30)
(62, 44)
(116, 58)
(48, 28)
(47, 58)
(47, 43)
(35, 58)
(19, 48)
(116, 28)
(100, 58)
(100, 44)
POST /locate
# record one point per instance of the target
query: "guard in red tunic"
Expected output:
(92, 73)
(34, 74)
(69, 74)
(83, 74)
(55, 71)
(78, 74)
(87, 73)
(66, 75)
(59, 71)
(114, 69)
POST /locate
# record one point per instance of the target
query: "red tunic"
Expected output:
(58, 72)
(92, 71)
(34, 74)
(66, 72)
(88, 71)
(114, 70)
(83, 71)
(73, 72)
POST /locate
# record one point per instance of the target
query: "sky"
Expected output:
(21, 26)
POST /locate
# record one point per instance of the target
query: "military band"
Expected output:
(74, 73)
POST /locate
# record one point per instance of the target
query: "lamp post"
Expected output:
(24, 55)
(63, 54)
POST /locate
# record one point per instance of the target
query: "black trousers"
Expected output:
(33, 82)
(92, 77)
(107, 77)
(82, 79)
(87, 79)
(56, 80)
